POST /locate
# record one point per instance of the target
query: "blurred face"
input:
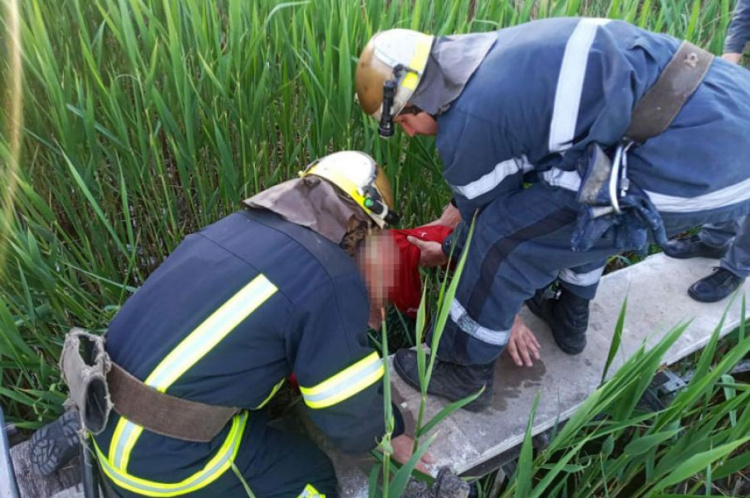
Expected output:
(378, 261)
(417, 124)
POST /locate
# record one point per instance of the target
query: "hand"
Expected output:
(523, 344)
(431, 253)
(377, 317)
(402, 446)
(733, 58)
(450, 217)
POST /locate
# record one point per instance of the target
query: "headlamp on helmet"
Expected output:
(388, 72)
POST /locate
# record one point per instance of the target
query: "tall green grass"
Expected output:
(144, 120)
(611, 447)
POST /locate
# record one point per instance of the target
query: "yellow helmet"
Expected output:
(389, 70)
(359, 177)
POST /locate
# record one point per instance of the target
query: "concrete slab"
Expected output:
(8, 486)
(657, 301)
(31, 485)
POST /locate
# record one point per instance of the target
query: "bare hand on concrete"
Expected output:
(402, 446)
(431, 253)
(523, 345)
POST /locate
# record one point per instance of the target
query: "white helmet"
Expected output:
(358, 176)
(389, 70)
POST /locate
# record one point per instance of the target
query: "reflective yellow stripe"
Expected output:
(341, 181)
(311, 492)
(345, 384)
(418, 63)
(190, 350)
(208, 474)
(273, 392)
(209, 333)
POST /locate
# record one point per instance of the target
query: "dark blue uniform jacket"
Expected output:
(224, 320)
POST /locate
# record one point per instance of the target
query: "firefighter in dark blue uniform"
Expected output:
(548, 103)
(729, 241)
(230, 314)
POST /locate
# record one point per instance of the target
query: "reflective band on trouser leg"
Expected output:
(581, 279)
(345, 384)
(311, 492)
(464, 322)
(208, 474)
(186, 354)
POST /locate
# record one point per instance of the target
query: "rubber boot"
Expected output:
(449, 380)
(567, 316)
(55, 444)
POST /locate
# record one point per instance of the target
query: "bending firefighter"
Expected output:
(211, 336)
(626, 137)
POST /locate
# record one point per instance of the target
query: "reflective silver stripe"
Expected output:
(570, 84)
(345, 385)
(468, 325)
(582, 279)
(492, 179)
(727, 196)
(569, 180)
(121, 442)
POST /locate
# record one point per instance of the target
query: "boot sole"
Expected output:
(689, 255)
(702, 299)
(54, 445)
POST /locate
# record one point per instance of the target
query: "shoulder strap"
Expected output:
(332, 257)
(663, 101)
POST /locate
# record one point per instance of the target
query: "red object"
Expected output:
(407, 293)
(293, 381)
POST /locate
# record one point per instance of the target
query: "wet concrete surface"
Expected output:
(657, 301)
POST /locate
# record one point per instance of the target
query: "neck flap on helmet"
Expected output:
(313, 203)
(452, 62)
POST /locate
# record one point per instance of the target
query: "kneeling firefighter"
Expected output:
(194, 356)
(626, 136)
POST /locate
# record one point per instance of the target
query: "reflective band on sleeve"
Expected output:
(569, 180)
(190, 350)
(210, 472)
(461, 318)
(495, 177)
(311, 492)
(570, 84)
(739, 192)
(345, 384)
(582, 279)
